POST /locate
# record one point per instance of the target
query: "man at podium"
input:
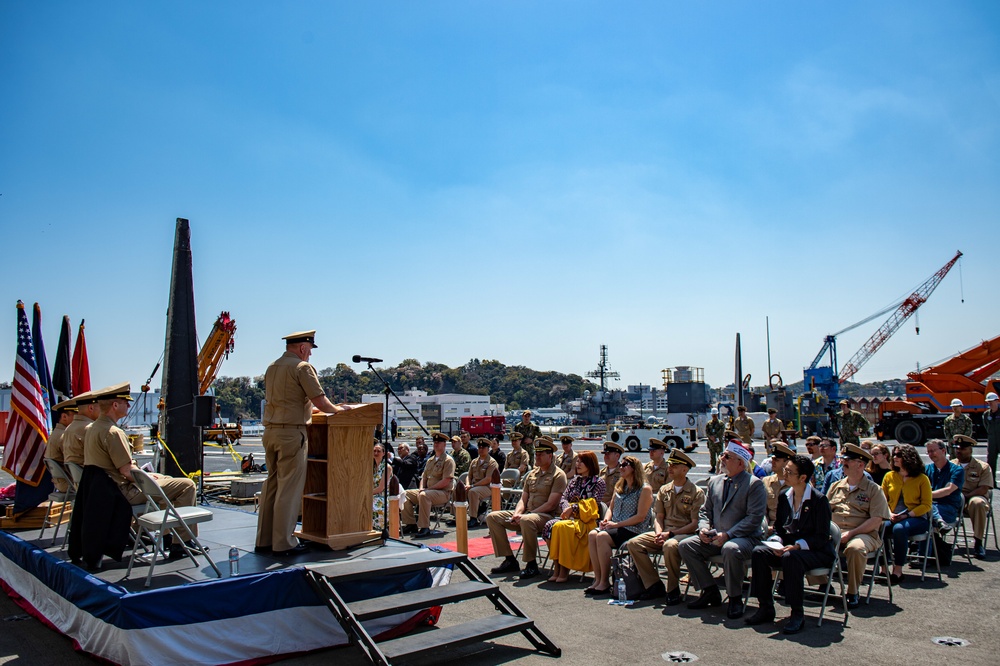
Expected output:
(291, 390)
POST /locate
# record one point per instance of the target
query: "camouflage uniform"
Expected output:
(852, 426)
(715, 430)
(462, 461)
(529, 429)
(957, 425)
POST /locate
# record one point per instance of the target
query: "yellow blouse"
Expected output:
(916, 492)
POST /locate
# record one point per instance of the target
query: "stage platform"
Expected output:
(190, 616)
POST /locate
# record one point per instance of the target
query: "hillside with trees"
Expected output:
(516, 386)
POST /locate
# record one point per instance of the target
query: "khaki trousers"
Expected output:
(978, 509)
(285, 453)
(529, 527)
(421, 501)
(478, 494)
(856, 553)
(641, 547)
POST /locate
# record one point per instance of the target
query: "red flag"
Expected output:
(28, 429)
(81, 366)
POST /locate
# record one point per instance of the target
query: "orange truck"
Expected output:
(929, 392)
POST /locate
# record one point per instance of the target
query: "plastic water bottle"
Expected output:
(234, 562)
(621, 591)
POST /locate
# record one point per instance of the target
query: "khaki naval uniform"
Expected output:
(480, 470)
(744, 427)
(977, 475)
(674, 509)
(418, 503)
(538, 485)
(517, 460)
(107, 446)
(567, 463)
(655, 476)
(72, 441)
(851, 508)
(54, 451)
(289, 385)
(771, 429)
(610, 480)
(775, 488)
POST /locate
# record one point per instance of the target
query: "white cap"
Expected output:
(957, 403)
(991, 396)
(715, 410)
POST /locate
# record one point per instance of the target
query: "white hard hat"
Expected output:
(991, 396)
(957, 403)
(715, 410)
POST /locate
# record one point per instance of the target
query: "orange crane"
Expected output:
(217, 347)
(929, 393)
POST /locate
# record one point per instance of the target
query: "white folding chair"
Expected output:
(879, 560)
(69, 497)
(510, 493)
(828, 572)
(157, 523)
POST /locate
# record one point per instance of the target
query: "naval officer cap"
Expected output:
(855, 452)
(301, 336)
(65, 406)
(657, 444)
(566, 439)
(781, 450)
(439, 437)
(678, 457)
(544, 444)
(516, 436)
(121, 391)
(613, 447)
(85, 398)
(962, 441)
(482, 441)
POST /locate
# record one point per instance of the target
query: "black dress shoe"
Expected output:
(262, 550)
(298, 550)
(422, 533)
(980, 551)
(735, 609)
(654, 591)
(763, 615)
(794, 624)
(673, 596)
(894, 579)
(507, 566)
(710, 596)
(606, 592)
(853, 600)
(409, 529)
(449, 523)
(530, 571)
(473, 523)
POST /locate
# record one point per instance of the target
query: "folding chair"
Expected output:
(68, 497)
(879, 560)
(991, 527)
(828, 572)
(923, 546)
(156, 524)
(510, 490)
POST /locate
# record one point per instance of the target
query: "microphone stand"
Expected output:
(387, 391)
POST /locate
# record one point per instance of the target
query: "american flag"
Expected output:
(28, 429)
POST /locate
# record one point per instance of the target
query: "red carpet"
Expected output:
(481, 546)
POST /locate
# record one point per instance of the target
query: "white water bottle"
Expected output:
(621, 591)
(234, 562)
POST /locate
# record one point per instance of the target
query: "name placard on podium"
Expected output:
(337, 499)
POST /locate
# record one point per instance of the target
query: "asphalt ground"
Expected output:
(964, 605)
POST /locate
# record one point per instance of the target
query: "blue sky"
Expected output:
(518, 181)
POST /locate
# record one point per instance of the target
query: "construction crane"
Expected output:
(826, 380)
(217, 347)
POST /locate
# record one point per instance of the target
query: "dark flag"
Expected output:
(62, 374)
(28, 429)
(81, 366)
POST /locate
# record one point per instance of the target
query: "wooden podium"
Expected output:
(337, 499)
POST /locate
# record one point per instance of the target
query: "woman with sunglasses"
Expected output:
(627, 516)
(907, 488)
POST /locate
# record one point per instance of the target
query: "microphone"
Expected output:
(365, 359)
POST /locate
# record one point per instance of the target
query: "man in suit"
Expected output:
(802, 528)
(730, 524)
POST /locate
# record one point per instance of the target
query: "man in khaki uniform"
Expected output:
(435, 489)
(518, 458)
(858, 507)
(543, 487)
(774, 483)
(744, 425)
(87, 412)
(772, 428)
(977, 487)
(567, 459)
(291, 390)
(63, 413)
(480, 477)
(656, 469)
(611, 472)
(107, 446)
(676, 507)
